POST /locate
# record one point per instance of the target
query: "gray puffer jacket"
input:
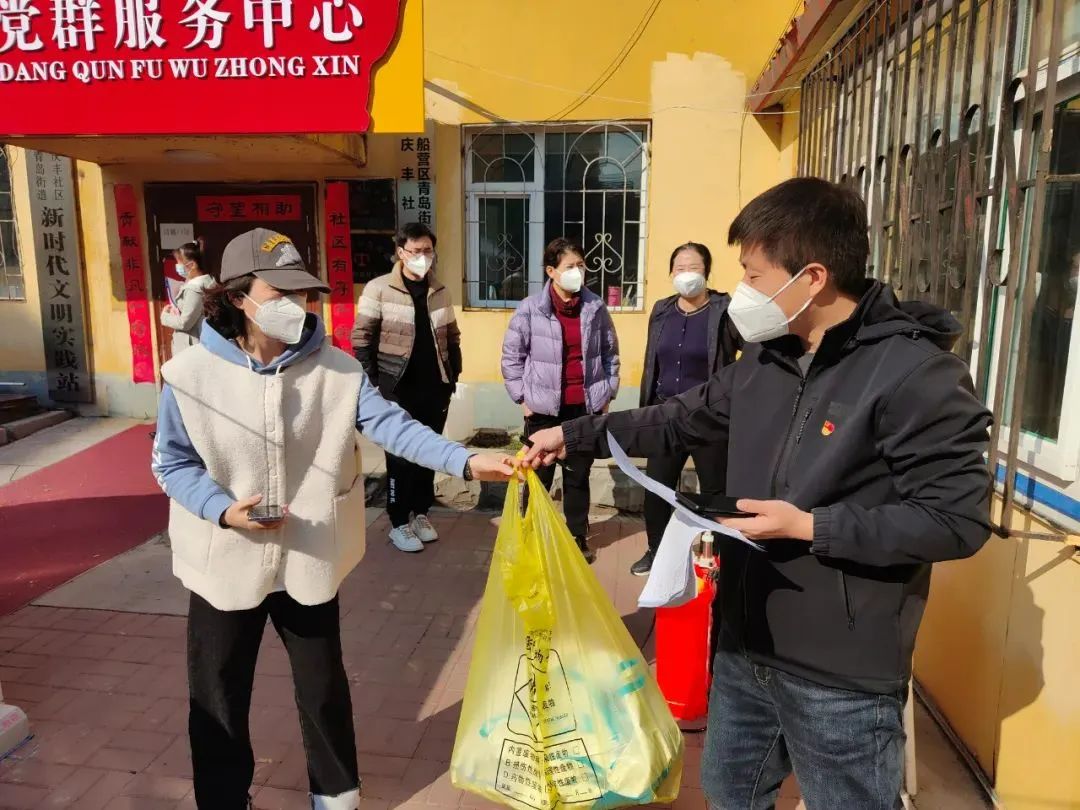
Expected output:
(532, 357)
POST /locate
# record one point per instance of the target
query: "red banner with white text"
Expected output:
(190, 67)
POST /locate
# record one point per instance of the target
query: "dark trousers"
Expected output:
(711, 465)
(222, 648)
(846, 748)
(576, 469)
(410, 487)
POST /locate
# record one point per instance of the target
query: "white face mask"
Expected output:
(689, 285)
(281, 318)
(757, 316)
(572, 279)
(420, 265)
(181, 270)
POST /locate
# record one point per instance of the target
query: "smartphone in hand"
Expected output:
(266, 514)
(718, 506)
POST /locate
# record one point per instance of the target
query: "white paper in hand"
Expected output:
(672, 581)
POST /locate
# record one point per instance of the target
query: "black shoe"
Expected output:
(643, 566)
(586, 552)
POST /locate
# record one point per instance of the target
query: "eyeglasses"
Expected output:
(428, 253)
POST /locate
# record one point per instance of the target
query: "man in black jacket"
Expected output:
(856, 443)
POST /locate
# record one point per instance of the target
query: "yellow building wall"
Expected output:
(21, 347)
(688, 74)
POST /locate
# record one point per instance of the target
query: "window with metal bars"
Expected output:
(11, 277)
(525, 186)
(934, 111)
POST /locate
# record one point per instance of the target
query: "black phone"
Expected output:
(718, 506)
(266, 514)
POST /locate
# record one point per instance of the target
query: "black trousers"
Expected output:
(576, 469)
(410, 487)
(222, 648)
(711, 465)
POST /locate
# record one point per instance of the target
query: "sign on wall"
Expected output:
(59, 274)
(134, 273)
(129, 67)
(339, 265)
(416, 183)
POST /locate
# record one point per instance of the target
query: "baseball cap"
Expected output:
(272, 257)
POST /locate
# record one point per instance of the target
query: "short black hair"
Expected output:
(697, 247)
(414, 230)
(557, 248)
(809, 220)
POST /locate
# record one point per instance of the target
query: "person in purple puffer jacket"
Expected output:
(560, 360)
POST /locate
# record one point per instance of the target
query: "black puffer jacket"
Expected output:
(883, 441)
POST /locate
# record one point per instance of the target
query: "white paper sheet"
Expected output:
(671, 581)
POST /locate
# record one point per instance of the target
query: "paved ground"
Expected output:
(99, 667)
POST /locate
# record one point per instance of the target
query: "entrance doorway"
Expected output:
(215, 213)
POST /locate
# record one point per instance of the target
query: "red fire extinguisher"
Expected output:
(683, 640)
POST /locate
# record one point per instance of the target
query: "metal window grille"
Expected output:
(525, 186)
(943, 114)
(11, 278)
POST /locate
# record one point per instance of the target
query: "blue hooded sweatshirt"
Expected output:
(181, 473)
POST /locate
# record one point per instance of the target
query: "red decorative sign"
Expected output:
(138, 303)
(99, 67)
(339, 259)
(249, 208)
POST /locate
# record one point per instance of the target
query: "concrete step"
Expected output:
(17, 406)
(29, 425)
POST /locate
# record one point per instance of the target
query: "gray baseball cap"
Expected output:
(272, 257)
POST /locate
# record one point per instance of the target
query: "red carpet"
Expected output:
(71, 516)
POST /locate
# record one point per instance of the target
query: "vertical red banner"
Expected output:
(138, 303)
(339, 265)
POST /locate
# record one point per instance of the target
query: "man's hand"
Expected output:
(548, 445)
(236, 515)
(492, 467)
(772, 520)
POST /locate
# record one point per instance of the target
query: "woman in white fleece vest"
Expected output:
(257, 449)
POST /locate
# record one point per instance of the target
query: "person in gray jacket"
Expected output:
(185, 316)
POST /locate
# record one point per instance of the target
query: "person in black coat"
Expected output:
(690, 339)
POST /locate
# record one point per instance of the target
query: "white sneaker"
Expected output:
(404, 539)
(423, 529)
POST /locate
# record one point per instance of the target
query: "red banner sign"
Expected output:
(138, 304)
(249, 208)
(339, 259)
(197, 67)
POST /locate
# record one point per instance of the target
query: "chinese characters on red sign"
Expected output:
(138, 304)
(95, 67)
(249, 208)
(339, 259)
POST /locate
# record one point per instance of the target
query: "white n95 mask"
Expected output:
(757, 316)
(281, 318)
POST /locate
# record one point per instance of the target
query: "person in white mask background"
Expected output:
(185, 315)
(690, 338)
(407, 339)
(257, 449)
(560, 361)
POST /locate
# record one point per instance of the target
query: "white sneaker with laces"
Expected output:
(423, 529)
(405, 539)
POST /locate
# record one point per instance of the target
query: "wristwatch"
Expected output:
(467, 474)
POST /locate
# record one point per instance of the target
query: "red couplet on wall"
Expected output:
(339, 264)
(138, 303)
(190, 67)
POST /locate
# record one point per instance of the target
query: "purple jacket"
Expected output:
(532, 357)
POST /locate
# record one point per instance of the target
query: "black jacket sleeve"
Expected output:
(691, 420)
(933, 433)
(731, 341)
(648, 372)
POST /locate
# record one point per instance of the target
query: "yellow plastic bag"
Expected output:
(560, 705)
